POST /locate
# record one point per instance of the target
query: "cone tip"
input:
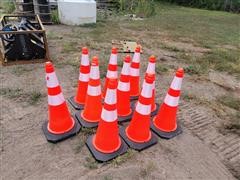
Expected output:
(138, 49)
(114, 50)
(127, 59)
(112, 84)
(49, 67)
(94, 61)
(149, 78)
(152, 59)
(180, 72)
(84, 50)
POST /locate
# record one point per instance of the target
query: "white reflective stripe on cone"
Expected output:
(85, 60)
(113, 59)
(171, 100)
(143, 109)
(151, 68)
(146, 90)
(94, 90)
(52, 80)
(111, 97)
(126, 69)
(94, 72)
(134, 71)
(83, 77)
(136, 57)
(55, 100)
(123, 86)
(109, 116)
(176, 83)
(112, 74)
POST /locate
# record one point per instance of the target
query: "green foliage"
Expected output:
(8, 6)
(226, 5)
(145, 8)
(142, 8)
(193, 69)
(230, 101)
(55, 17)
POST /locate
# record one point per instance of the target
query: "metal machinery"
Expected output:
(23, 39)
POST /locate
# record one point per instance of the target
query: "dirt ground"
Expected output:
(200, 152)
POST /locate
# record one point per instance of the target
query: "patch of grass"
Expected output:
(188, 97)
(160, 68)
(34, 97)
(11, 93)
(103, 65)
(122, 159)
(52, 35)
(171, 48)
(31, 97)
(87, 131)
(80, 144)
(193, 69)
(233, 124)
(90, 163)
(108, 177)
(230, 101)
(223, 60)
(55, 17)
(19, 70)
(120, 62)
(8, 6)
(70, 46)
(89, 25)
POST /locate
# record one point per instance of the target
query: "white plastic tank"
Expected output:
(76, 12)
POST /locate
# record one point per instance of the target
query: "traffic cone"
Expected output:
(90, 115)
(78, 101)
(134, 74)
(138, 135)
(106, 144)
(60, 124)
(164, 123)
(112, 72)
(123, 93)
(151, 70)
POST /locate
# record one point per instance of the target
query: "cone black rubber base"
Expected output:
(132, 98)
(83, 122)
(103, 157)
(166, 135)
(152, 113)
(126, 118)
(156, 110)
(74, 104)
(54, 138)
(138, 146)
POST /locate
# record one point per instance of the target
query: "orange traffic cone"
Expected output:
(123, 93)
(112, 72)
(164, 123)
(134, 74)
(106, 144)
(60, 124)
(90, 115)
(78, 101)
(138, 135)
(151, 70)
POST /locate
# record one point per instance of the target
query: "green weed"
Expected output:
(160, 68)
(230, 101)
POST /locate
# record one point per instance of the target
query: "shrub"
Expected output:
(8, 6)
(226, 5)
